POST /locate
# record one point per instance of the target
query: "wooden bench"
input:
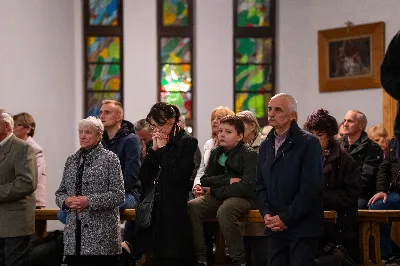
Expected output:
(44, 215)
(254, 217)
(370, 250)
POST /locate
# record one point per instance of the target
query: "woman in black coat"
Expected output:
(167, 168)
(342, 183)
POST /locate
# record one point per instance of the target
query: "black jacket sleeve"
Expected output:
(180, 164)
(209, 179)
(383, 177)
(350, 188)
(197, 161)
(390, 69)
(245, 187)
(261, 188)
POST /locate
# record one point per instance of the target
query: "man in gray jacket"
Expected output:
(18, 181)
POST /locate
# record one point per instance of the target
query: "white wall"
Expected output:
(37, 75)
(298, 24)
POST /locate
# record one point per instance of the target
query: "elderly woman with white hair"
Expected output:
(91, 191)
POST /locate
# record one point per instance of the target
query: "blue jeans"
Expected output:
(130, 202)
(363, 204)
(392, 203)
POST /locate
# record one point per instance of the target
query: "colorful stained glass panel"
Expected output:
(176, 78)
(253, 50)
(175, 13)
(104, 77)
(253, 78)
(103, 12)
(95, 99)
(183, 100)
(253, 13)
(104, 49)
(254, 102)
(175, 50)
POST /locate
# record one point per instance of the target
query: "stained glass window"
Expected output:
(175, 43)
(254, 38)
(103, 12)
(103, 53)
(175, 12)
(254, 13)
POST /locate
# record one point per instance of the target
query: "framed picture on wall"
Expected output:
(349, 58)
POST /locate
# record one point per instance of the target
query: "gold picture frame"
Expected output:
(349, 58)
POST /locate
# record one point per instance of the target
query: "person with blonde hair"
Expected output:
(216, 115)
(379, 134)
(24, 128)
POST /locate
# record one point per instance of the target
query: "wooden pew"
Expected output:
(254, 217)
(370, 233)
(369, 230)
(44, 215)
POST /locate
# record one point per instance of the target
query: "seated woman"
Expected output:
(228, 183)
(342, 183)
(379, 134)
(165, 174)
(91, 191)
(387, 196)
(24, 128)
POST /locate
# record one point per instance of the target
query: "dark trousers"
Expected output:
(170, 262)
(256, 247)
(13, 250)
(292, 252)
(92, 260)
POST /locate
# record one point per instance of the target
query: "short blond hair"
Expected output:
(117, 104)
(377, 130)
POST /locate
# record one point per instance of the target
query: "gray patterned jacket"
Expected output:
(103, 184)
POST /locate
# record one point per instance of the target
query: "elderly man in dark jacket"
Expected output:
(367, 154)
(289, 185)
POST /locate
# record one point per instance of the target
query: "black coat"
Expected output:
(290, 183)
(170, 235)
(126, 144)
(388, 177)
(390, 80)
(342, 189)
(368, 156)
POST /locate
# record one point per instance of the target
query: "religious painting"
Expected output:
(350, 57)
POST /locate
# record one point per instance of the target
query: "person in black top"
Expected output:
(167, 169)
(387, 195)
(342, 183)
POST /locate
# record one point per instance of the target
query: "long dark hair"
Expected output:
(162, 112)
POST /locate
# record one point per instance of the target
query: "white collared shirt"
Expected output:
(3, 142)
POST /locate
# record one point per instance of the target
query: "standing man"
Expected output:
(18, 181)
(289, 185)
(119, 137)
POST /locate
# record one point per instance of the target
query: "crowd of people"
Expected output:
(290, 173)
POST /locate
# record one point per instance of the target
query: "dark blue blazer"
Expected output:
(290, 184)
